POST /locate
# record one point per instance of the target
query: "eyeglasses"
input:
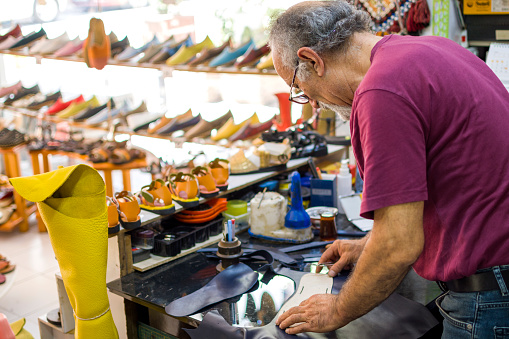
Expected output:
(298, 98)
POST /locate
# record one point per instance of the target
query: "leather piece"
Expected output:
(396, 317)
(233, 281)
(71, 201)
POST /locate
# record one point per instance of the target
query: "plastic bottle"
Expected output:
(297, 217)
(344, 183)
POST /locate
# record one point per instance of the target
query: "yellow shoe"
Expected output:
(72, 203)
(184, 54)
(266, 63)
(230, 128)
(75, 108)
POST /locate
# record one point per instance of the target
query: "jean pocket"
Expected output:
(467, 326)
(501, 332)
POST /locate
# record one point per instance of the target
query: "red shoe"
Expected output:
(15, 32)
(60, 105)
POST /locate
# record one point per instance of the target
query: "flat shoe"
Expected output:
(250, 131)
(229, 55)
(204, 127)
(252, 56)
(208, 54)
(185, 53)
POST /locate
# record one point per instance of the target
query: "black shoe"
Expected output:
(118, 46)
(12, 138)
(32, 37)
(80, 117)
(23, 92)
(47, 101)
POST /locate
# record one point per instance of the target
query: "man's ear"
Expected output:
(306, 54)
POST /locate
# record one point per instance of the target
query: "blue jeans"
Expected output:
(476, 315)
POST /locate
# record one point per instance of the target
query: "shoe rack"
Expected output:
(23, 208)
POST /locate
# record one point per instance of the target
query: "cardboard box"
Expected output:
(324, 192)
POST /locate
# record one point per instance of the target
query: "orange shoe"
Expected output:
(220, 173)
(156, 198)
(184, 189)
(129, 210)
(113, 224)
(208, 187)
(97, 48)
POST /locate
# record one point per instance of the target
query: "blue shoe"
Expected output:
(228, 56)
(131, 52)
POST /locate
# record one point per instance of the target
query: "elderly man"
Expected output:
(430, 132)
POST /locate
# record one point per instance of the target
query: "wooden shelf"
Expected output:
(161, 67)
(17, 219)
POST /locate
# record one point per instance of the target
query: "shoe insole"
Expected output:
(233, 281)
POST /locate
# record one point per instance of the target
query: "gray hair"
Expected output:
(324, 26)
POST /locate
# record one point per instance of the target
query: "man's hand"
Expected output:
(344, 253)
(316, 314)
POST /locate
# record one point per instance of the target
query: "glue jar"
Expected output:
(328, 229)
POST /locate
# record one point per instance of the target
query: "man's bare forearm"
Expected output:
(388, 255)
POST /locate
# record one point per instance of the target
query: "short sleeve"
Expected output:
(389, 143)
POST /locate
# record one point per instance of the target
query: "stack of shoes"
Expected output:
(60, 105)
(208, 54)
(90, 112)
(5, 267)
(10, 138)
(115, 153)
(229, 128)
(228, 56)
(28, 40)
(22, 93)
(203, 128)
(252, 56)
(203, 213)
(269, 156)
(75, 108)
(7, 205)
(96, 48)
(304, 143)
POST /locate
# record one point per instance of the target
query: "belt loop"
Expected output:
(500, 280)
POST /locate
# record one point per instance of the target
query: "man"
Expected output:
(430, 132)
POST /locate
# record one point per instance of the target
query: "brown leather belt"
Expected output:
(478, 282)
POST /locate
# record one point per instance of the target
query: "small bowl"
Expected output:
(315, 212)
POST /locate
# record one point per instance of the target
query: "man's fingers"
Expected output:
(295, 317)
(338, 266)
(304, 327)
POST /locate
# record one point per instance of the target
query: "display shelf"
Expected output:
(162, 67)
(17, 219)
(156, 260)
(236, 183)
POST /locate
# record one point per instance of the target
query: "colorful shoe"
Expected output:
(168, 51)
(186, 53)
(171, 122)
(129, 210)
(97, 48)
(60, 105)
(152, 50)
(113, 223)
(204, 127)
(251, 131)
(4, 91)
(206, 55)
(184, 189)
(220, 172)
(156, 198)
(230, 128)
(75, 108)
(228, 55)
(252, 56)
(28, 40)
(47, 101)
(119, 46)
(15, 32)
(93, 111)
(22, 93)
(10, 41)
(208, 187)
(266, 63)
(180, 124)
(131, 52)
(70, 48)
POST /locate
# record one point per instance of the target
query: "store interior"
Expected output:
(174, 111)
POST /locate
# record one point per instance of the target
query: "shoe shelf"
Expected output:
(236, 183)
(163, 67)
